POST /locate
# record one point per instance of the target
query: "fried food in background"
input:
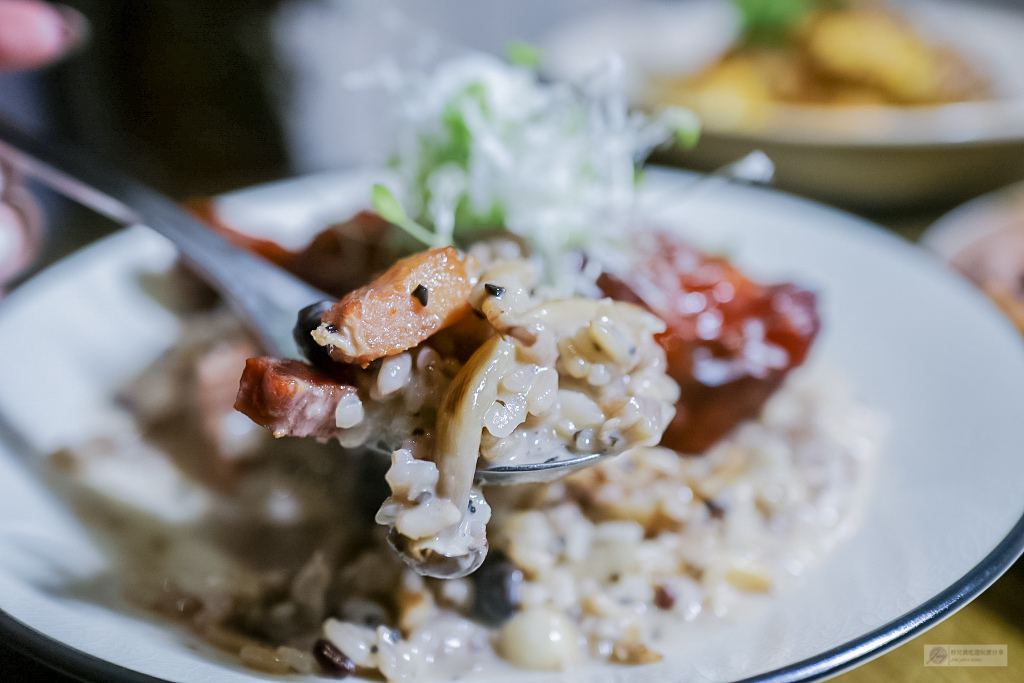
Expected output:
(878, 54)
(854, 56)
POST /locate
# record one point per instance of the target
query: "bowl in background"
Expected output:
(869, 158)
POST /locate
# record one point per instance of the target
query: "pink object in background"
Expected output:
(20, 226)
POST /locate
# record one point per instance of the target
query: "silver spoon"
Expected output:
(264, 296)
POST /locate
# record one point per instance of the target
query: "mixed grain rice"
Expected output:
(271, 553)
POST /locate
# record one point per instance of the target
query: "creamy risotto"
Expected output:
(504, 305)
(272, 553)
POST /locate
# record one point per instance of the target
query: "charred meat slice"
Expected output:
(292, 398)
(730, 341)
(412, 300)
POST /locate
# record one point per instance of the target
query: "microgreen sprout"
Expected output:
(391, 210)
(521, 53)
(773, 21)
(684, 124)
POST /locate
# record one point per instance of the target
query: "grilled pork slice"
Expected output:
(730, 341)
(416, 297)
(379, 407)
(294, 399)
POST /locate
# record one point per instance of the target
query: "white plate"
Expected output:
(871, 157)
(977, 219)
(916, 342)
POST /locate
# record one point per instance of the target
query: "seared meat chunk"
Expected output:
(412, 300)
(730, 341)
(292, 398)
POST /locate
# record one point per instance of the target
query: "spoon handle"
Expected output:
(266, 297)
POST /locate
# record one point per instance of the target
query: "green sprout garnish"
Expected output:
(522, 53)
(453, 147)
(773, 21)
(684, 124)
(390, 209)
(490, 147)
(686, 137)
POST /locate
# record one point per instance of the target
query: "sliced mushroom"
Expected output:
(461, 417)
(460, 548)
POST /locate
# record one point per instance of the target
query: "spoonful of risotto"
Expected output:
(450, 359)
(445, 360)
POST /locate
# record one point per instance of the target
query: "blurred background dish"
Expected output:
(984, 241)
(938, 118)
(200, 102)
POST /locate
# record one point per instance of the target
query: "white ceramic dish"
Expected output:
(984, 240)
(976, 220)
(869, 157)
(924, 348)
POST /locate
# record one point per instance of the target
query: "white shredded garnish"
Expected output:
(483, 144)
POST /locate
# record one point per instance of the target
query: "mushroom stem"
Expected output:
(461, 418)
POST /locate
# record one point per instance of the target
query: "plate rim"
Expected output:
(71, 661)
